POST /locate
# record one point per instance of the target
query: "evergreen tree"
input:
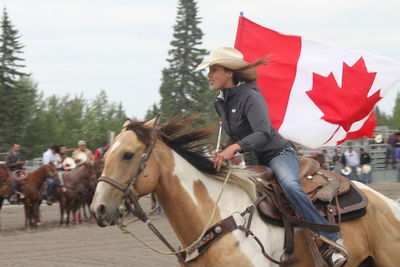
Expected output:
(152, 112)
(17, 91)
(182, 90)
(382, 119)
(9, 49)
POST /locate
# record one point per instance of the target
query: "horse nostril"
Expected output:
(101, 209)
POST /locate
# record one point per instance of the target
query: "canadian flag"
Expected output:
(317, 94)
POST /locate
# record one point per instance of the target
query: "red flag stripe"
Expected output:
(276, 79)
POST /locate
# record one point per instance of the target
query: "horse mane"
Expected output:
(190, 144)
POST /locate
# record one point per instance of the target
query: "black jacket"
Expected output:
(365, 158)
(245, 119)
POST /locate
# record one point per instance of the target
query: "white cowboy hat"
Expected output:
(69, 163)
(366, 168)
(230, 58)
(81, 158)
(378, 138)
(346, 170)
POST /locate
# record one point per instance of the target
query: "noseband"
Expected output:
(130, 200)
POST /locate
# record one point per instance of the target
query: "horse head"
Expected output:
(121, 163)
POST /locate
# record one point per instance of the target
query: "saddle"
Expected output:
(334, 196)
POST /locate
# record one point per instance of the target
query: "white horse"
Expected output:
(188, 187)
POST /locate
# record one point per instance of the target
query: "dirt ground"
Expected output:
(89, 245)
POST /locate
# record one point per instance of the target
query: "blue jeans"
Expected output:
(353, 174)
(366, 178)
(286, 169)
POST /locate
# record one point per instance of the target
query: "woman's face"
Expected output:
(220, 78)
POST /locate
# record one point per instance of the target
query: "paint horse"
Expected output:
(187, 187)
(5, 185)
(31, 189)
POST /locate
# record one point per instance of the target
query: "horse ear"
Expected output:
(153, 122)
(127, 122)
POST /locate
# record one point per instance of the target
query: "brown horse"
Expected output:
(189, 190)
(31, 189)
(78, 189)
(5, 185)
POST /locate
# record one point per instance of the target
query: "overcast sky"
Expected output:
(83, 46)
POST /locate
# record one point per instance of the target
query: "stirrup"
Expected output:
(332, 249)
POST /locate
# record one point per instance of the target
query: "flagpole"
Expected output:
(219, 136)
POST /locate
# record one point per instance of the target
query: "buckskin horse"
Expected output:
(31, 189)
(78, 189)
(5, 185)
(147, 158)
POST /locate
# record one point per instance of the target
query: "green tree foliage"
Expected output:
(37, 123)
(66, 120)
(382, 119)
(152, 112)
(17, 91)
(184, 91)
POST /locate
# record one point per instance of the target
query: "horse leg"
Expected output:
(62, 208)
(36, 213)
(68, 210)
(26, 209)
(80, 221)
(1, 205)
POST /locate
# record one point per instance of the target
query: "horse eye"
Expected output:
(128, 155)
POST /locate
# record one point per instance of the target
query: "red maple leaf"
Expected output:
(349, 103)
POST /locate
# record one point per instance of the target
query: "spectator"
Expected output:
(14, 159)
(337, 160)
(101, 150)
(82, 154)
(397, 156)
(328, 161)
(365, 161)
(390, 158)
(352, 160)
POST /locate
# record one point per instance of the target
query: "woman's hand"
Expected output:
(220, 157)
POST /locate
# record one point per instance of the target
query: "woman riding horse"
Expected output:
(146, 158)
(245, 119)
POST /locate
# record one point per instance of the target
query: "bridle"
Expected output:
(132, 203)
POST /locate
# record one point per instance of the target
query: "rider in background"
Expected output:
(82, 154)
(101, 150)
(245, 119)
(52, 155)
(63, 152)
(15, 162)
(14, 159)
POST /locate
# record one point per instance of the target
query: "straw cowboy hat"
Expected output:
(230, 58)
(346, 170)
(378, 138)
